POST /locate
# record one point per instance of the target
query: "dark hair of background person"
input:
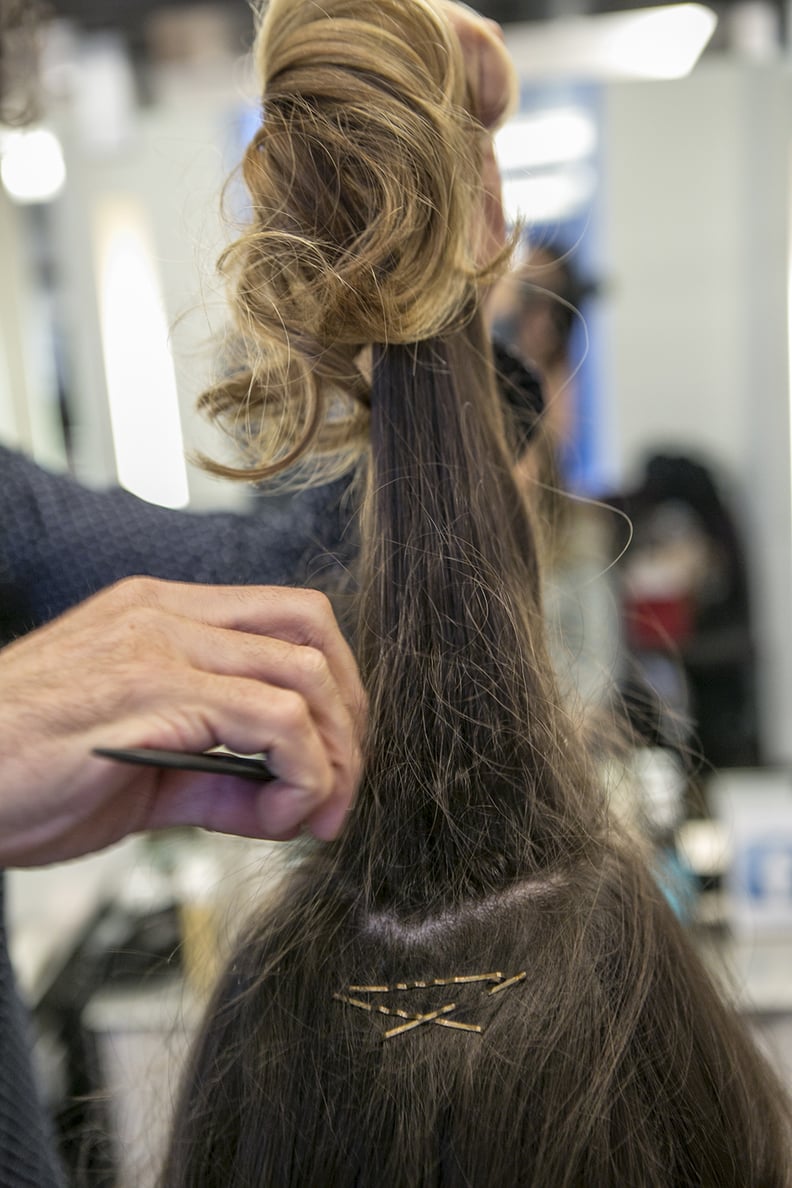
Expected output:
(719, 657)
(548, 280)
(480, 841)
(537, 308)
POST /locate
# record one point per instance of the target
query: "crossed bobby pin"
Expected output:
(438, 1016)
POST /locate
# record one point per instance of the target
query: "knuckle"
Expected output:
(140, 620)
(135, 591)
(318, 606)
(291, 712)
(313, 664)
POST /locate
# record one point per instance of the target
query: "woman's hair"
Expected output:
(364, 179)
(573, 1037)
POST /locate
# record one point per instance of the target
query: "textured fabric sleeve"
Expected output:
(61, 542)
(27, 1151)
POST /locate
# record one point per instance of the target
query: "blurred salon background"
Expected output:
(650, 162)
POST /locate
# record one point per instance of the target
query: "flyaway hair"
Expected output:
(480, 983)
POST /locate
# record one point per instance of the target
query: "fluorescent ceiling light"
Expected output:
(645, 43)
(141, 379)
(549, 197)
(31, 165)
(552, 137)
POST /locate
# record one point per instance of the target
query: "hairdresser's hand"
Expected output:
(181, 667)
(492, 83)
(489, 68)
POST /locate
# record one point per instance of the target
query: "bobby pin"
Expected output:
(509, 982)
(374, 1007)
(462, 980)
(419, 1019)
(383, 1010)
(458, 1026)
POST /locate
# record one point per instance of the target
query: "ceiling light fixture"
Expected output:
(649, 43)
(549, 197)
(554, 136)
(31, 165)
(141, 379)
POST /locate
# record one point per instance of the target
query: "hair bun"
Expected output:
(364, 172)
(364, 177)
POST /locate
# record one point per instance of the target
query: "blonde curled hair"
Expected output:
(364, 178)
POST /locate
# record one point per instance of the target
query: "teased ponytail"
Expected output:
(466, 730)
(359, 236)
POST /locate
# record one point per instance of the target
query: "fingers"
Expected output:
(303, 655)
(249, 717)
(313, 752)
(286, 638)
(490, 71)
(302, 617)
(224, 804)
(305, 671)
(490, 231)
(155, 664)
(296, 690)
(492, 84)
(253, 668)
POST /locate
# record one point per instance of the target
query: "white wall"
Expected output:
(172, 166)
(29, 415)
(697, 214)
(14, 421)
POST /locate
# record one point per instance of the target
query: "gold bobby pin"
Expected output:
(458, 1026)
(509, 982)
(412, 1020)
(418, 1020)
(374, 1008)
(489, 977)
(464, 979)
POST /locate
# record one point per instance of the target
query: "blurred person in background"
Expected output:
(534, 310)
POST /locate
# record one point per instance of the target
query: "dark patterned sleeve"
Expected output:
(27, 1151)
(61, 541)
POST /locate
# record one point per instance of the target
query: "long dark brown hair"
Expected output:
(574, 1038)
